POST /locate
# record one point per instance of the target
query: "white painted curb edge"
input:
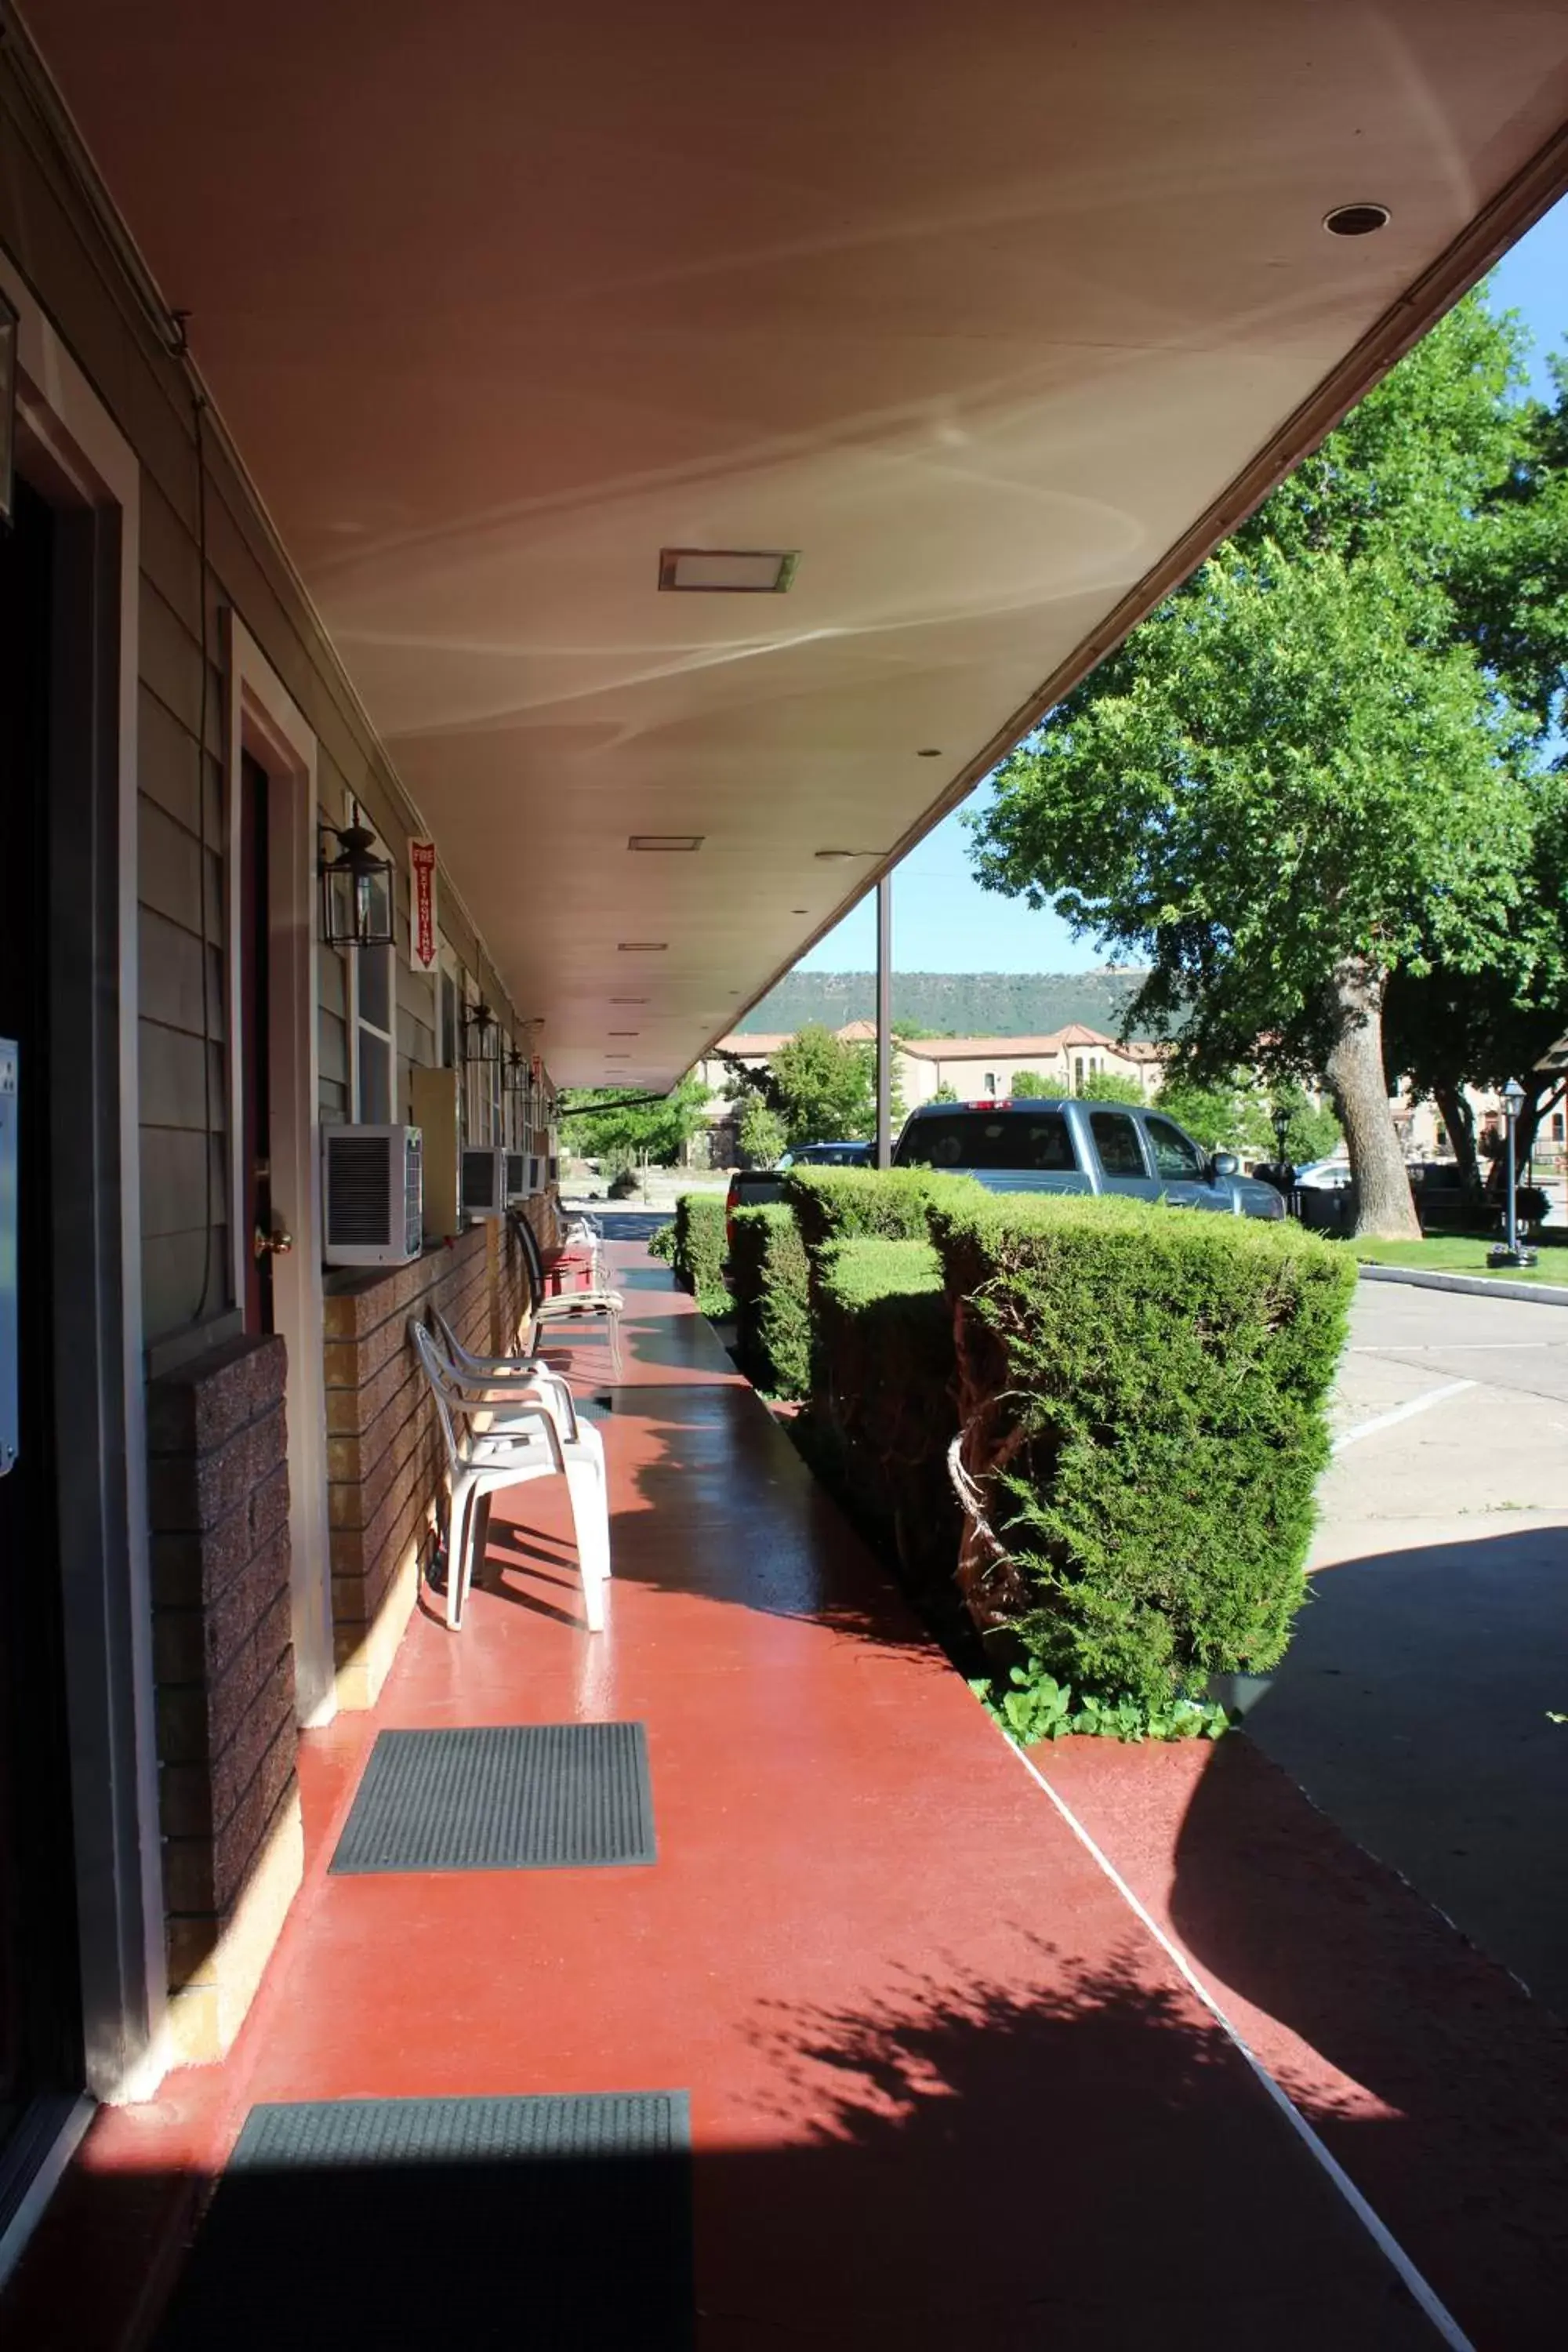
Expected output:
(1476, 1286)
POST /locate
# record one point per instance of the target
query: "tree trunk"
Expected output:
(1359, 1085)
(1458, 1119)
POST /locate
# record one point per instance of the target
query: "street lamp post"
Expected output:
(1510, 1252)
(1281, 1133)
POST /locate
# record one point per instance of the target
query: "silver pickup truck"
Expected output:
(1066, 1146)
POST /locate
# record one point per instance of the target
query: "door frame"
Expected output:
(69, 448)
(263, 720)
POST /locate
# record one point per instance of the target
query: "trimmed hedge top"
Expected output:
(838, 1204)
(1142, 1394)
(856, 1272)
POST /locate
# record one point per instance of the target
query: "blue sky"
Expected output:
(943, 921)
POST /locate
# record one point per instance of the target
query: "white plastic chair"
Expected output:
(521, 1376)
(491, 1448)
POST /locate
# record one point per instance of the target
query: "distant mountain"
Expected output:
(961, 1003)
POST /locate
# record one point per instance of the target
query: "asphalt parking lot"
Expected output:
(1413, 1707)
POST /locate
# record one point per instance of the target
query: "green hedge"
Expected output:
(846, 1204)
(699, 1252)
(883, 1408)
(772, 1307)
(1143, 1393)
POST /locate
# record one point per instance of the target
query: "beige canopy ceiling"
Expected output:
(995, 312)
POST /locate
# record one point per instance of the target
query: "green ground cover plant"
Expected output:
(1466, 1254)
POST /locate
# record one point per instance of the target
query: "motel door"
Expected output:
(40, 2054)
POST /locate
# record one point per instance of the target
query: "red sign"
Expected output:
(422, 948)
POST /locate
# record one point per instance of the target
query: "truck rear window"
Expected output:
(983, 1138)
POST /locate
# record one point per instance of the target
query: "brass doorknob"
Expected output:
(277, 1244)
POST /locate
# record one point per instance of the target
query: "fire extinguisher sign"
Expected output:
(421, 950)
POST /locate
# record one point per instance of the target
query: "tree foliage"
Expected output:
(657, 1129)
(823, 1088)
(1109, 1086)
(762, 1134)
(1303, 774)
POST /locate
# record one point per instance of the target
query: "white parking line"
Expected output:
(1400, 1412)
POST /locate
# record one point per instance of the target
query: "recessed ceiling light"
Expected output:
(641, 946)
(728, 571)
(800, 910)
(931, 752)
(672, 840)
(849, 853)
(622, 1032)
(1356, 220)
(629, 1000)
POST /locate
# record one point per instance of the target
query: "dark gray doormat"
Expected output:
(450, 2225)
(534, 1796)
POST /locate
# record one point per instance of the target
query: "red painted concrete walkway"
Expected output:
(946, 2091)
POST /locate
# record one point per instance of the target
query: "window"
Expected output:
(1557, 1127)
(990, 1085)
(372, 1012)
(446, 1002)
(1077, 1074)
(1116, 1142)
(975, 1139)
(1176, 1157)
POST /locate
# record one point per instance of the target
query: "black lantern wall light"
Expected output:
(356, 890)
(481, 1034)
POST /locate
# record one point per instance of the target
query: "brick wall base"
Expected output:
(386, 1468)
(223, 1669)
(208, 2006)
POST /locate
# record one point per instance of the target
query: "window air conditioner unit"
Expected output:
(373, 1194)
(535, 1172)
(483, 1183)
(517, 1183)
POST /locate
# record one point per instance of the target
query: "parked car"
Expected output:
(1324, 1175)
(1067, 1146)
(751, 1187)
(829, 1155)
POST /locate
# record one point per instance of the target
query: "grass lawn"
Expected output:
(1466, 1254)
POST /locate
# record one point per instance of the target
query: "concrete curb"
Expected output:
(1475, 1286)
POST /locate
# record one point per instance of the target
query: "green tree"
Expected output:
(1447, 1030)
(944, 1093)
(762, 1134)
(1030, 1082)
(1313, 1132)
(824, 1087)
(658, 1128)
(1109, 1086)
(1300, 774)
(1223, 1114)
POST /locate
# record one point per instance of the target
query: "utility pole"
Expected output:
(885, 1021)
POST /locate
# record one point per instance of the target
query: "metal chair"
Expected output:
(492, 1446)
(599, 1300)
